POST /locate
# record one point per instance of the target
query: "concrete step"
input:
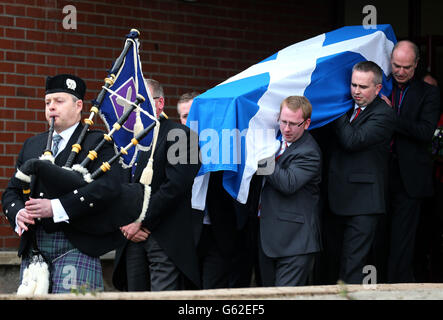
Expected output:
(409, 291)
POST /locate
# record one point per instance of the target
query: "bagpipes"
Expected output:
(132, 202)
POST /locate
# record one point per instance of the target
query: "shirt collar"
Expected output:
(356, 106)
(402, 86)
(67, 133)
(284, 141)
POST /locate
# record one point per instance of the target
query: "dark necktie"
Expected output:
(55, 142)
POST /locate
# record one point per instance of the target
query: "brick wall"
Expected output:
(184, 45)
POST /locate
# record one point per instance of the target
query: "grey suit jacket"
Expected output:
(290, 199)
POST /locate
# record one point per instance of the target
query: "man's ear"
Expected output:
(378, 88)
(162, 105)
(79, 104)
(307, 123)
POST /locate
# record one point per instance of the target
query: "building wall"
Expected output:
(184, 45)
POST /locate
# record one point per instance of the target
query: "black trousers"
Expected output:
(403, 216)
(215, 267)
(222, 270)
(149, 268)
(358, 236)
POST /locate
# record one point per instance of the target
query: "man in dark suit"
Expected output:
(417, 110)
(226, 243)
(357, 184)
(55, 222)
(222, 230)
(289, 233)
(161, 253)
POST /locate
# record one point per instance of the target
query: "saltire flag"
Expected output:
(128, 83)
(237, 120)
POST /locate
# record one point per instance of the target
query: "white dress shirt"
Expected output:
(59, 213)
(355, 111)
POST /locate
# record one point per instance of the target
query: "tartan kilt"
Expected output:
(69, 267)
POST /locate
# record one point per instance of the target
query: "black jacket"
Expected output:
(168, 217)
(83, 204)
(414, 128)
(358, 166)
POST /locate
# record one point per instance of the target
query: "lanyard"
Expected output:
(402, 96)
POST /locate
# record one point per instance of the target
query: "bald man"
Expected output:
(416, 105)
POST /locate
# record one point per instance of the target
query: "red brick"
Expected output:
(57, 60)
(12, 149)
(6, 21)
(6, 113)
(46, 70)
(14, 126)
(103, 53)
(25, 92)
(44, 47)
(40, 115)
(35, 58)
(15, 56)
(166, 69)
(64, 50)
(35, 127)
(14, 33)
(35, 35)
(35, 80)
(21, 137)
(35, 12)
(25, 2)
(36, 103)
(15, 79)
(46, 25)
(25, 68)
(6, 136)
(9, 172)
(15, 103)
(6, 161)
(159, 58)
(25, 23)
(87, 52)
(3, 220)
(11, 243)
(6, 230)
(54, 13)
(7, 90)
(25, 115)
(75, 62)
(15, 10)
(3, 183)
(24, 45)
(95, 18)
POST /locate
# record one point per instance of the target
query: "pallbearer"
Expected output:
(56, 223)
